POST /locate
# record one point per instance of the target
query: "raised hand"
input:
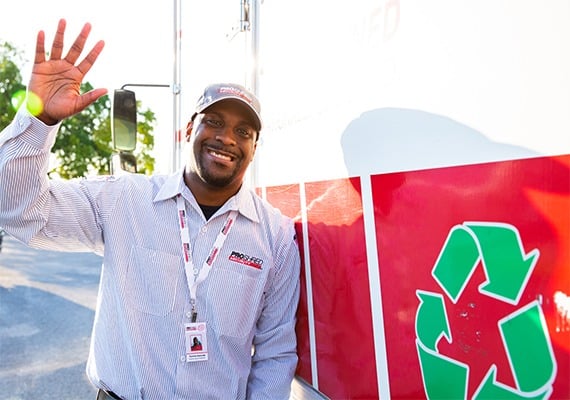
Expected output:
(54, 88)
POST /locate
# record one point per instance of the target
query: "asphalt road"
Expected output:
(47, 303)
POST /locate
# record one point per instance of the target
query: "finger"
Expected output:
(78, 45)
(40, 50)
(57, 46)
(89, 98)
(90, 59)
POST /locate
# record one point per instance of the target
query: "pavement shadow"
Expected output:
(70, 269)
(47, 302)
(44, 342)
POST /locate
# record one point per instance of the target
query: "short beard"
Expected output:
(215, 181)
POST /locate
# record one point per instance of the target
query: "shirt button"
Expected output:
(204, 229)
(189, 314)
(182, 358)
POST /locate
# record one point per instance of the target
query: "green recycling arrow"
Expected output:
(452, 275)
(524, 332)
(507, 267)
(530, 355)
(491, 389)
(443, 377)
(499, 247)
(432, 319)
(525, 336)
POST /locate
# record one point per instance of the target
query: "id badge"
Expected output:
(196, 342)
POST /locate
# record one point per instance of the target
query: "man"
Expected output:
(192, 254)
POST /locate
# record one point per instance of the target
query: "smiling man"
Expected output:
(223, 135)
(193, 254)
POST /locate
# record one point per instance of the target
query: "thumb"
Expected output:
(88, 98)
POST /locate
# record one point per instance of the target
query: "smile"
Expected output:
(220, 155)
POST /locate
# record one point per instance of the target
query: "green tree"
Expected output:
(83, 145)
(10, 81)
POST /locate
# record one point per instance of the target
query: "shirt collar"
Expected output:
(242, 201)
(171, 187)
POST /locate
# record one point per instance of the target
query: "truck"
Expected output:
(423, 150)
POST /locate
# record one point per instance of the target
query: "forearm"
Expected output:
(275, 357)
(24, 158)
(273, 366)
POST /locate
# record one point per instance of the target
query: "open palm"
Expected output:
(55, 82)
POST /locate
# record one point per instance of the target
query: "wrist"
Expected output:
(47, 119)
(35, 107)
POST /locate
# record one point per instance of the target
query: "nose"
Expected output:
(226, 135)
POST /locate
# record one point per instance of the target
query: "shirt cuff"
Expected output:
(33, 131)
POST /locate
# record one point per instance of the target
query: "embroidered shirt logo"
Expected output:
(250, 261)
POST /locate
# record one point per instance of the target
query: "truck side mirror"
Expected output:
(124, 120)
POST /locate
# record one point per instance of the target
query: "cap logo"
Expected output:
(235, 92)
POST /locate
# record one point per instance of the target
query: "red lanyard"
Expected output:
(195, 276)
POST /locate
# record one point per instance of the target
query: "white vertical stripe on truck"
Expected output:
(310, 309)
(375, 290)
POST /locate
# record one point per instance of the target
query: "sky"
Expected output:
(122, 24)
(139, 47)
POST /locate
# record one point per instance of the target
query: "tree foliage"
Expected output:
(83, 145)
(10, 81)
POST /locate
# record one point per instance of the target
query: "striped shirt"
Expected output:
(138, 343)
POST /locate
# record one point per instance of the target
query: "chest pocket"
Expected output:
(235, 299)
(151, 281)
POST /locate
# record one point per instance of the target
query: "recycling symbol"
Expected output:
(497, 247)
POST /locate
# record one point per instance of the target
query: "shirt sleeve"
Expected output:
(55, 215)
(275, 346)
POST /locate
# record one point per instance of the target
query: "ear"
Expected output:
(189, 128)
(253, 153)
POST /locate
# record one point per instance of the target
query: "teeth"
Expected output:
(222, 156)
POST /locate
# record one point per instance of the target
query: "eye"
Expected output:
(213, 122)
(244, 132)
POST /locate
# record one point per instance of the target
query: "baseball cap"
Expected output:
(229, 91)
